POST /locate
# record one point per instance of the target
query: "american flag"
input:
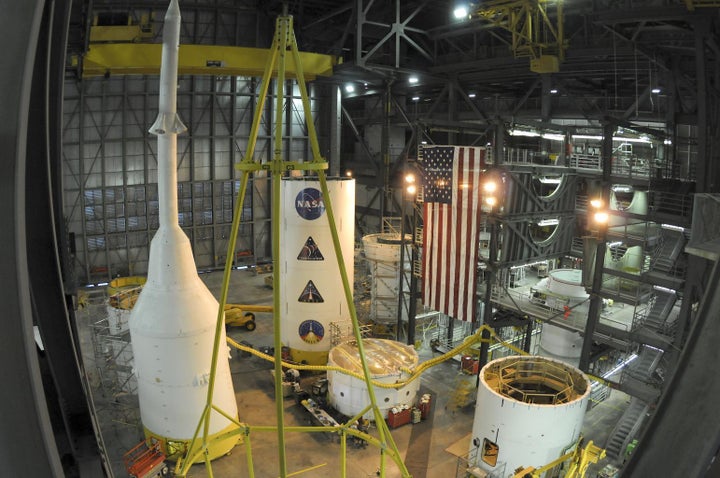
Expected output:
(451, 215)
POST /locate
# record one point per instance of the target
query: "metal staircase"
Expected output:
(626, 430)
(668, 251)
(655, 316)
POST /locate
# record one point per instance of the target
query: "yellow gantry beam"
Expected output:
(144, 59)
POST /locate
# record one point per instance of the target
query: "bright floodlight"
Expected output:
(415, 98)
(409, 178)
(596, 203)
(413, 80)
(490, 187)
(460, 12)
(655, 90)
(491, 201)
(411, 189)
(349, 88)
(348, 173)
(601, 217)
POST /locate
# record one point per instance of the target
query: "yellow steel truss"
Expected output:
(537, 32)
(103, 59)
(283, 50)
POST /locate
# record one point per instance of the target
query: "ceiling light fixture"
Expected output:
(460, 12)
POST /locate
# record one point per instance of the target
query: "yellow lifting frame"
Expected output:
(112, 59)
(283, 42)
(534, 34)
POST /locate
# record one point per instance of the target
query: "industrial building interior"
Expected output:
(600, 122)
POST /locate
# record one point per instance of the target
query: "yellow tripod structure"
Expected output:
(283, 50)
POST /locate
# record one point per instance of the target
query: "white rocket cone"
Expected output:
(172, 326)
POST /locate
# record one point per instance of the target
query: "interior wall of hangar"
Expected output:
(110, 168)
(703, 147)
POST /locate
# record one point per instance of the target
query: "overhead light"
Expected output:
(586, 136)
(548, 222)
(415, 98)
(631, 140)
(667, 141)
(620, 188)
(349, 88)
(490, 187)
(348, 173)
(423, 142)
(546, 180)
(596, 203)
(655, 91)
(471, 95)
(520, 132)
(553, 91)
(413, 80)
(615, 244)
(619, 366)
(409, 178)
(554, 136)
(601, 217)
(460, 12)
(673, 227)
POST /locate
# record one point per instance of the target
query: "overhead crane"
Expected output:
(536, 27)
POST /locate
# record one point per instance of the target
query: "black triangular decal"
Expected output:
(310, 251)
(310, 294)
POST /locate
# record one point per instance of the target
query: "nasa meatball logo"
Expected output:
(311, 331)
(309, 204)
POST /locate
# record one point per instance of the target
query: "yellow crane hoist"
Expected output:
(239, 315)
(580, 458)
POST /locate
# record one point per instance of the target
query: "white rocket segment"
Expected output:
(173, 323)
(168, 120)
(168, 123)
(529, 411)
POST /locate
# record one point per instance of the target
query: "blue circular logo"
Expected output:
(309, 204)
(311, 331)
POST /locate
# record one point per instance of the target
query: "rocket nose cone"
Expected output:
(173, 10)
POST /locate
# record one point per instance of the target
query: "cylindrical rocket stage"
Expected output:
(311, 290)
(383, 256)
(529, 412)
(388, 362)
(563, 288)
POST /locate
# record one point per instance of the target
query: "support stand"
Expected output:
(283, 43)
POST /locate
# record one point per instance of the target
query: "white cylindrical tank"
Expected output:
(383, 255)
(386, 360)
(529, 412)
(564, 292)
(311, 291)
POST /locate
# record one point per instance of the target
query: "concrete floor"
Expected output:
(424, 446)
